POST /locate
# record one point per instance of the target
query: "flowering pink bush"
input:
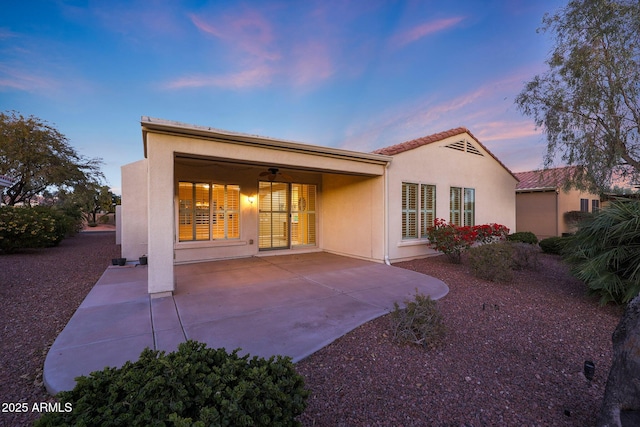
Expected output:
(453, 240)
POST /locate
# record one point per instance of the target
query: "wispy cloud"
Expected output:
(12, 77)
(249, 32)
(486, 110)
(255, 77)
(312, 63)
(5, 33)
(259, 53)
(427, 28)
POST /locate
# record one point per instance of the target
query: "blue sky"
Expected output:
(359, 74)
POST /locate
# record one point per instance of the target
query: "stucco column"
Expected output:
(160, 214)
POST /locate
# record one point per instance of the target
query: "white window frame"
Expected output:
(417, 216)
(225, 212)
(465, 199)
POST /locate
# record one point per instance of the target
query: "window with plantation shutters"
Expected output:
(208, 211)
(409, 211)
(469, 207)
(427, 207)
(455, 205)
(462, 204)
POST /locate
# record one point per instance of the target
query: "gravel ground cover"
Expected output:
(513, 354)
(39, 292)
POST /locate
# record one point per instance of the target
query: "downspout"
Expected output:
(386, 214)
(557, 213)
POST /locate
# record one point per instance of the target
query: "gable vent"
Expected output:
(464, 145)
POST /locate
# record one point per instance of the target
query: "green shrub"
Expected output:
(193, 386)
(605, 252)
(22, 227)
(524, 256)
(524, 237)
(553, 245)
(420, 322)
(492, 262)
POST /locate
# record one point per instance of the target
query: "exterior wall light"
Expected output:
(251, 199)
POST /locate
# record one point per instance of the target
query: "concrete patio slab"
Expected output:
(289, 305)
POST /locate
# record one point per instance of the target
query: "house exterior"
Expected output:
(205, 194)
(542, 203)
(448, 175)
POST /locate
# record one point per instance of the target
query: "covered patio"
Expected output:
(289, 305)
(204, 194)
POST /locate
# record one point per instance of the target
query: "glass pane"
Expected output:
(185, 211)
(273, 204)
(455, 205)
(469, 206)
(428, 210)
(303, 219)
(409, 210)
(202, 211)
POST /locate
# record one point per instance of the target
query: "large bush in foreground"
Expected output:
(605, 252)
(193, 386)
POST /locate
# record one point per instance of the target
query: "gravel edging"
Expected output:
(512, 355)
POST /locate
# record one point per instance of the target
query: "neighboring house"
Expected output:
(204, 194)
(542, 203)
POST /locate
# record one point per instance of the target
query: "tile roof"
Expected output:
(544, 179)
(429, 139)
(419, 142)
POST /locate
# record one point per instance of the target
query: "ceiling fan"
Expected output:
(274, 174)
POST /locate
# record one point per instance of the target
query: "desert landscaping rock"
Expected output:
(513, 353)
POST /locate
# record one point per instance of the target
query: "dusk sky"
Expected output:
(357, 75)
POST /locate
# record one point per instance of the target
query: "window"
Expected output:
(455, 196)
(208, 211)
(469, 207)
(462, 211)
(418, 208)
(409, 211)
(427, 207)
(595, 205)
(584, 205)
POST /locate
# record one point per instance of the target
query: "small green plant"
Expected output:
(420, 322)
(22, 227)
(195, 385)
(524, 237)
(553, 245)
(492, 262)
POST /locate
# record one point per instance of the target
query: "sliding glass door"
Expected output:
(287, 215)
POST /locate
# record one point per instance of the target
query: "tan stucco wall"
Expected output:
(445, 167)
(352, 216)
(132, 217)
(570, 201)
(262, 155)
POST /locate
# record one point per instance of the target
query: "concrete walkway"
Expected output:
(290, 305)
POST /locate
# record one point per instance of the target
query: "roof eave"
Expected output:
(176, 128)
